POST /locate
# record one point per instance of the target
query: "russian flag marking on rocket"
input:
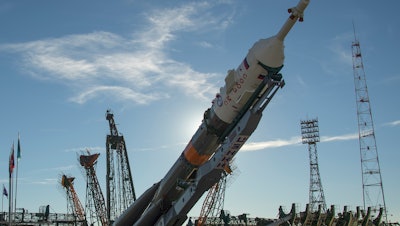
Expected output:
(246, 65)
(260, 76)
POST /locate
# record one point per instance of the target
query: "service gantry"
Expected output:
(72, 198)
(213, 203)
(372, 186)
(93, 190)
(119, 183)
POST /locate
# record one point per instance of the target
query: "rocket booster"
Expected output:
(265, 58)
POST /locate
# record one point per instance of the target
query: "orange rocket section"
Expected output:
(193, 156)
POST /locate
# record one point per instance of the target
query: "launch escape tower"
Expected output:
(93, 190)
(373, 195)
(72, 198)
(120, 190)
(310, 136)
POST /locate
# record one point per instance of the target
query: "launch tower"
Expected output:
(310, 136)
(93, 190)
(73, 201)
(373, 195)
(120, 190)
(214, 202)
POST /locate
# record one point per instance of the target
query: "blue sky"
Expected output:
(158, 65)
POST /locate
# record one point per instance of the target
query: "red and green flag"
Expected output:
(18, 150)
(12, 163)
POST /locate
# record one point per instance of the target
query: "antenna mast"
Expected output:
(373, 195)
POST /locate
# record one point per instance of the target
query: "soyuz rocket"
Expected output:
(234, 115)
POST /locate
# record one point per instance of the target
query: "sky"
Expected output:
(158, 64)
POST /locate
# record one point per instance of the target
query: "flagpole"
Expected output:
(16, 185)
(11, 167)
(10, 200)
(16, 174)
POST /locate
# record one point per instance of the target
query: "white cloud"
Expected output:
(101, 63)
(351, 136)
(394, 123)
(340, 55)
(117, 93)
(205, 44)
(46, 181)
(256, 146)
(339, 46)
(83, 149)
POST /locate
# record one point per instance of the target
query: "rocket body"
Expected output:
(240, 85)
(264, 58)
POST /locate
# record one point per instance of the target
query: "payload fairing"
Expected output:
(232, 118)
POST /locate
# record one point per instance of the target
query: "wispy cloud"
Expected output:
(46, 181)
(263, 145)
(114, 92)
(56, 169)
(257, 146)
(339, 46)
(340, 54)
(393, 124)
(84, 149)
(350, 136)
(100, 63)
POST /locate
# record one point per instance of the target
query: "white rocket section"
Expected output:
(241, 83)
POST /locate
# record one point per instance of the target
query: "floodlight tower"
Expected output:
(310, 136)
(373, 195)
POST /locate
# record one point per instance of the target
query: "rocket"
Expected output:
(227, 124)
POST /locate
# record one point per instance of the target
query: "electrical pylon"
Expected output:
(120, 190)
(372, 186)
(310, 136)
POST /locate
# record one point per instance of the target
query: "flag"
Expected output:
(12, 165)
(18, 150)
(5, 193)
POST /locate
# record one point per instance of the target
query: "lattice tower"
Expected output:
(373, 195)
(213, 203)
(93, 191)
(310, 136)
(73, 201)
(120, 190)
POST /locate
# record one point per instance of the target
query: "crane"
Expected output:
(119, 183)
(72, 197)
(93, 190)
